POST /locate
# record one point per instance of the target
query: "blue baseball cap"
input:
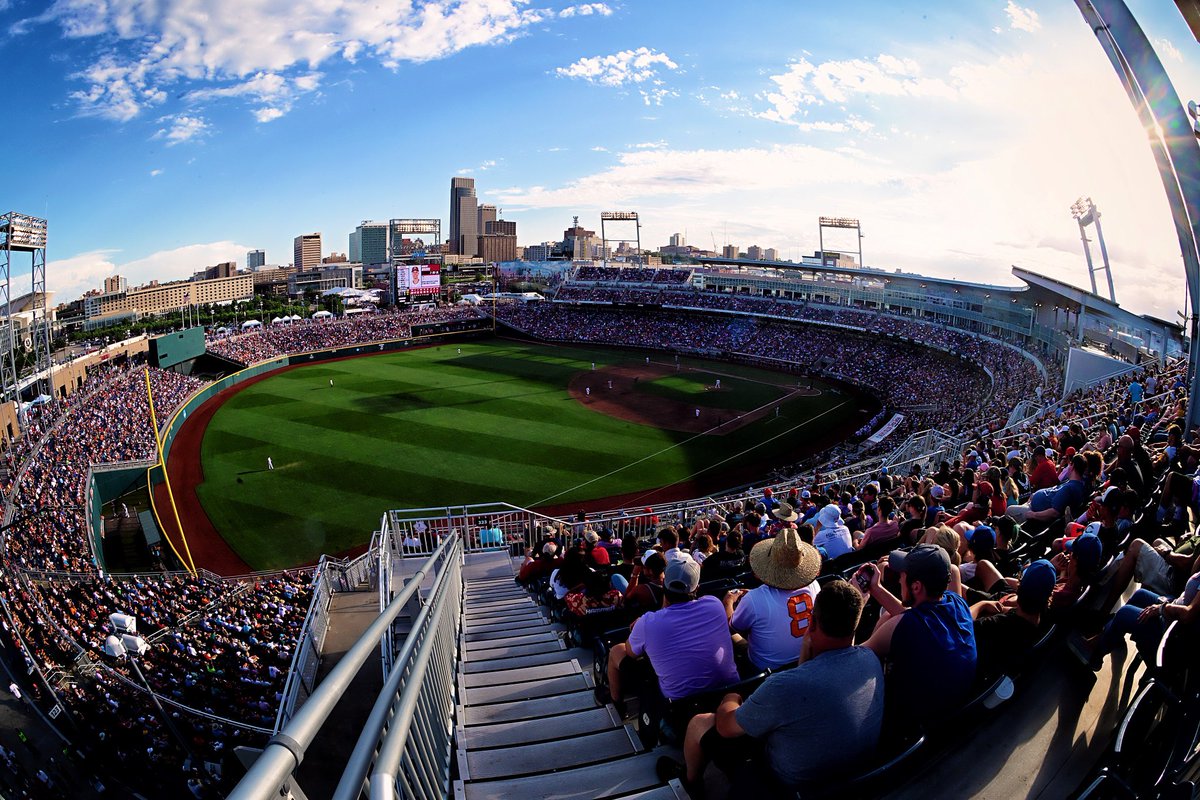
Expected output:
(1037, 582)
(985, 532)
(1087, 550)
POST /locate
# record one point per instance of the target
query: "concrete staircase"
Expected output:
(528, 724)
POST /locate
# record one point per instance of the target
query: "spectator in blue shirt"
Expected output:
(1050, 504)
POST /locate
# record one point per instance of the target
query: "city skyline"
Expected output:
(158, 140)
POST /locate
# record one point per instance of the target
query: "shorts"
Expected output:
(728, 754)
(1153, 572)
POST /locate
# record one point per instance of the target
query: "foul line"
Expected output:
(543, 501)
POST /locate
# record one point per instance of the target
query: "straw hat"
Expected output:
(785, 562)
(785, 513)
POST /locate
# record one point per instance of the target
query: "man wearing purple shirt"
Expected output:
(687, 641)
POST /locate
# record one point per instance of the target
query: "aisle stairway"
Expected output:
(528, 724)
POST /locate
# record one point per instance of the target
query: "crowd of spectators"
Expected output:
(983, 553)
(221, 648)
(273, 341)
(637, 275)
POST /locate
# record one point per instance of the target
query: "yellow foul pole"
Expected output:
(191, 565)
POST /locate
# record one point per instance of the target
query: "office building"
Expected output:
(255, 259)
(501, 226)
(161, 298)
(539, 252)
(223, 270)
(336, 258)
(754, 253)
(343, 276)
(115, 284)
(464, 217)
(306, 250)
(678, 240)
(370, 243)
(771, 254)
(271, 279)
(729, 251)
(487, 213)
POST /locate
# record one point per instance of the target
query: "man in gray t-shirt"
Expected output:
(803, 724)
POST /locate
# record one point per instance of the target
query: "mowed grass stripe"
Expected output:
(432, 427)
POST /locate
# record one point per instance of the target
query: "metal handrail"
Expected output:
(392, 697)
(286, 749)
(416, 758)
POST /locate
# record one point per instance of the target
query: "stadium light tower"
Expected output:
(620, 216)
(1085, 213)
(21, 233)
(1173, 142)
(838, 222)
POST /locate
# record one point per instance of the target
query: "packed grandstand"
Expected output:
(220, 648)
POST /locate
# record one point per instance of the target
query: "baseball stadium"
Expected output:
(652, 532)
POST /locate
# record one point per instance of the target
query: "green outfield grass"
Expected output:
(431, 427)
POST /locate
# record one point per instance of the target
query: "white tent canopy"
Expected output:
(296, 318)
(251, 323)
(322, 315)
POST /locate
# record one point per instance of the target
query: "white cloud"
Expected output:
(835, 82)
(218, 48)
(586, 10)
(154, 173)
(71, 277)
(957, 186)
(268, 114)
(650, 145)
(599, 149)
(1168, 49)
(620, 69)
(1021, 18)
(182, 128)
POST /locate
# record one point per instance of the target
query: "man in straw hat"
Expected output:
(775, 616)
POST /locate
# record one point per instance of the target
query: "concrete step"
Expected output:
(531, 690)
(505, 762)
(541, 635)
(503, 634)
(508, 624)
(551, 644)
(542, 729)
(482, 616)
(504, 677)
(537, 708)
(612, 779)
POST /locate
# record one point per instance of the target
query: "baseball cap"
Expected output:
(983, 534)
(926, 563)
(591, 536)
(682, 575)
(1037, 582)
(1087, 550)
(937, 491)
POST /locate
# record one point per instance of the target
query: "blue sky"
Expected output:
(160, 137)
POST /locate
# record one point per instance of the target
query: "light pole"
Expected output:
(127, 646)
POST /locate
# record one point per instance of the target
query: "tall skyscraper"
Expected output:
(678, 240)
(255, 259)
(306, 251)
(464, 217)
(355, 249)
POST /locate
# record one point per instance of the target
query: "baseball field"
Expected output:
(305, 461)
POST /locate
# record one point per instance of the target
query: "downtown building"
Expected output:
(306, 251)
(464, 217)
